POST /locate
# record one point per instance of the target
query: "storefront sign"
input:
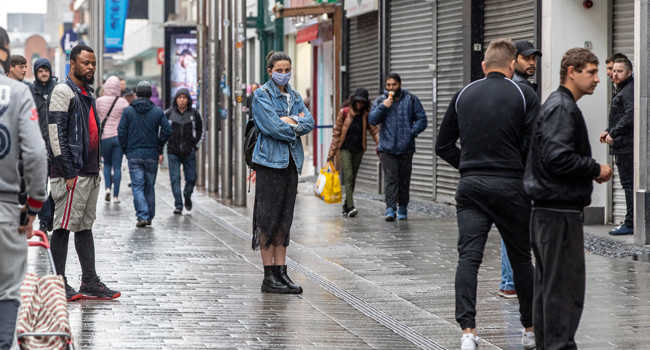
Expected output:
(307, 34)
(114, 25)
(68, 40)
(355, 8)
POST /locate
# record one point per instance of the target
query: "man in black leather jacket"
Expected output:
(526, 63)
(620, 137)
(558, 179)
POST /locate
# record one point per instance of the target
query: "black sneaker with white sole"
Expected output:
(178, 211)
(352, 212)
(95, 289)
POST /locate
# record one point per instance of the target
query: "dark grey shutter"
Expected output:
(411, 56)
(511, 19)
(449, 76)
(623, 42)
(363, 70)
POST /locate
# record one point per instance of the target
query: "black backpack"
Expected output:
(250, 139)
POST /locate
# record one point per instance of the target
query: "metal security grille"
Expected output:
(511, 19)
(363, 70)
(449, 78)
(623, 42)
(411, 55)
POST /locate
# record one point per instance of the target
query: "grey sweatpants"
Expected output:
(13, 265)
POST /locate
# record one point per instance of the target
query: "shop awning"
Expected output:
(307, 34)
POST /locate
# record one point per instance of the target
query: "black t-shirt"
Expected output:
(354, 136)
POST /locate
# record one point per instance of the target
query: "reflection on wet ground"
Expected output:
(192, 282)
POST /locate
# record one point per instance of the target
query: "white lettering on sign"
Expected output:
(186, 41)
(5, 93)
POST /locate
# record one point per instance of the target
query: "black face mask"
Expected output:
(6, 64)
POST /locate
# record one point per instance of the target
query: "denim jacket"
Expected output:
(278, 139)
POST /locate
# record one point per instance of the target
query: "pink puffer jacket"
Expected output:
(111, 91)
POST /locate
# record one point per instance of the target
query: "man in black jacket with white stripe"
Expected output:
(558, 180)
(494, 119)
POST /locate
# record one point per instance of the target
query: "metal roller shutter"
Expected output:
(363, 70)
(449, 78)
(512, 19)
(623, 42)
(411, 54)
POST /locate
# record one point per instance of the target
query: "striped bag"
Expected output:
(44, 309)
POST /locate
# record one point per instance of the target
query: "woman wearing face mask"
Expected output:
(281, 118)
(349, 137)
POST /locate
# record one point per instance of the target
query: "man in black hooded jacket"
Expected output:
(41, 90)
(186, 138)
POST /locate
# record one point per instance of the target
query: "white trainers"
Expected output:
(116, 200)
(469, 342)
(528, 340)
(107, 198)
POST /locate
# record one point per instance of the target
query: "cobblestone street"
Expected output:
(193, 282)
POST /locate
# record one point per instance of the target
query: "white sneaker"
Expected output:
(469, 342)
(116, 200)
(107, 198)
(528, 340)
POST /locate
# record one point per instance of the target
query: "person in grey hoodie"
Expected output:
(19, 127)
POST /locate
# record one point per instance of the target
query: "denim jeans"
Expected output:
(112, 154)
(507, 283)
(46, 215)
(397, 178)
(189, 168)
(143, 180)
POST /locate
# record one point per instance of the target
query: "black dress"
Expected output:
(275, 199)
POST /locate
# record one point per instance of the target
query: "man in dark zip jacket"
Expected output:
(558, 180)
(41, 90)
(620, 137)
(526, 63)
(73, 131)
(494, 119)
(186, 138)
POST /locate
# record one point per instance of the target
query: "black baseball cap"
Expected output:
(525, 48)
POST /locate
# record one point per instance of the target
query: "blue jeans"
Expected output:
(46, 215)
(143, 180)
(112, 154)
(507, 283)
(189, 168)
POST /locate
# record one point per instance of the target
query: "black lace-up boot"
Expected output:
(281, 272)
(271, 283)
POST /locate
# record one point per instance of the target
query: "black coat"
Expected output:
(560, 170)
(187, 128)
(621, 118)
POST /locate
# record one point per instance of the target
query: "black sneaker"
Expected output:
(97, 290)
(188, 203)
(344, 211)
(141, 223)
(71, 294)
(148, 222)
(42, 227)
(178, 211)
(352, 212)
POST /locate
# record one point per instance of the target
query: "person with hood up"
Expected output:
(41, 90)
(155, 97)
(187, 136)
(110, 108)
(349, 137)
(143, 130)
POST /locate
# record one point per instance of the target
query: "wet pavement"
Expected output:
(193, 282)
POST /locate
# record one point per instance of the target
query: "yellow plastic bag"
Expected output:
(328, 186)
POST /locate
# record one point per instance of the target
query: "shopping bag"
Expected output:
(328, 186)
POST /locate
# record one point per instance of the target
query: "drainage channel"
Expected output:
(399, 328)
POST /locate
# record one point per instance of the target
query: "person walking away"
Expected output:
(41, 90)
(186, 138)
(494, 119)
(110, 108)
(249, 100)
(620, 137)
(281, 118)
(402, 119)
(75, 152)
(143, 130)
(349, 138)
(525, 68)
(19, 123)
(558, 180)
